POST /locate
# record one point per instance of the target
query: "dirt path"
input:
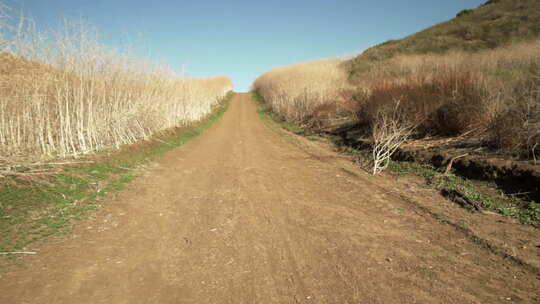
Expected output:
(241, 215)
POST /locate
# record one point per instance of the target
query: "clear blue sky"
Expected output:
(244, 38)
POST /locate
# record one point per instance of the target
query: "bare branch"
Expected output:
(389, 132)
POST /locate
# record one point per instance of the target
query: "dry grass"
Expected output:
(494, 94)
(65, 93)
(308, 93)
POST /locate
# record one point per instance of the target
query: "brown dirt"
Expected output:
(242, 215)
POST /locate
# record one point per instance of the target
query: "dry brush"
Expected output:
(310, 93)
(65, 93)
(492, 94)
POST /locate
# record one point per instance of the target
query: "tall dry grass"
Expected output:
(308, 93)
(65, 93)
(494, 94)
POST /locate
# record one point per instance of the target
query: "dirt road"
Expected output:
(242, 215)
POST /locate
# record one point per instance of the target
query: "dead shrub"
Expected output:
(516, 130)
(322, 115)
(389, 131)
(450, 104)
(462, 106)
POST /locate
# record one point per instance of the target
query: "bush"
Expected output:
(464, 12)
(516, 130)
(388, 132)
(445, 105)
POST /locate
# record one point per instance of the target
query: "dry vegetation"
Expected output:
(65, 93)
(493, 94)
(308, 93)
(389, 130)
(447, 83)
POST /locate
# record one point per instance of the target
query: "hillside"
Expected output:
(467, 88)
(494, 24)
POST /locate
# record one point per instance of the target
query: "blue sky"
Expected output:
(245, 38)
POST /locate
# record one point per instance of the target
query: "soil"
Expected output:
(474, 161)
(243, 214)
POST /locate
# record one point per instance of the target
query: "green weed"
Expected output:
(526, 212)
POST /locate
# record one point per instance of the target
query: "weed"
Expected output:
(398, 168)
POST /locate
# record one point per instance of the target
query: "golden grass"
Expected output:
(301, 91)
(64, 93)
(493, 93)
(460, 93)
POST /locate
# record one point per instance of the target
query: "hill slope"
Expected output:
(494, 24)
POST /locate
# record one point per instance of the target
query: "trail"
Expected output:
(242, 215)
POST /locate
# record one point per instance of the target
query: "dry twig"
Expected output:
(17, 252)
(389, 132)
(451, 162)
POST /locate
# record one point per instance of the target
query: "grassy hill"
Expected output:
(494, 24)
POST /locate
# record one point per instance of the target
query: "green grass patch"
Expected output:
(527, 212)
(31, 211)
(492, 25)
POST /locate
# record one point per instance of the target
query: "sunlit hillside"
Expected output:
(494, 24)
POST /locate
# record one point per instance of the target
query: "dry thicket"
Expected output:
(494, 94)
(65, 93)
(308, 93)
